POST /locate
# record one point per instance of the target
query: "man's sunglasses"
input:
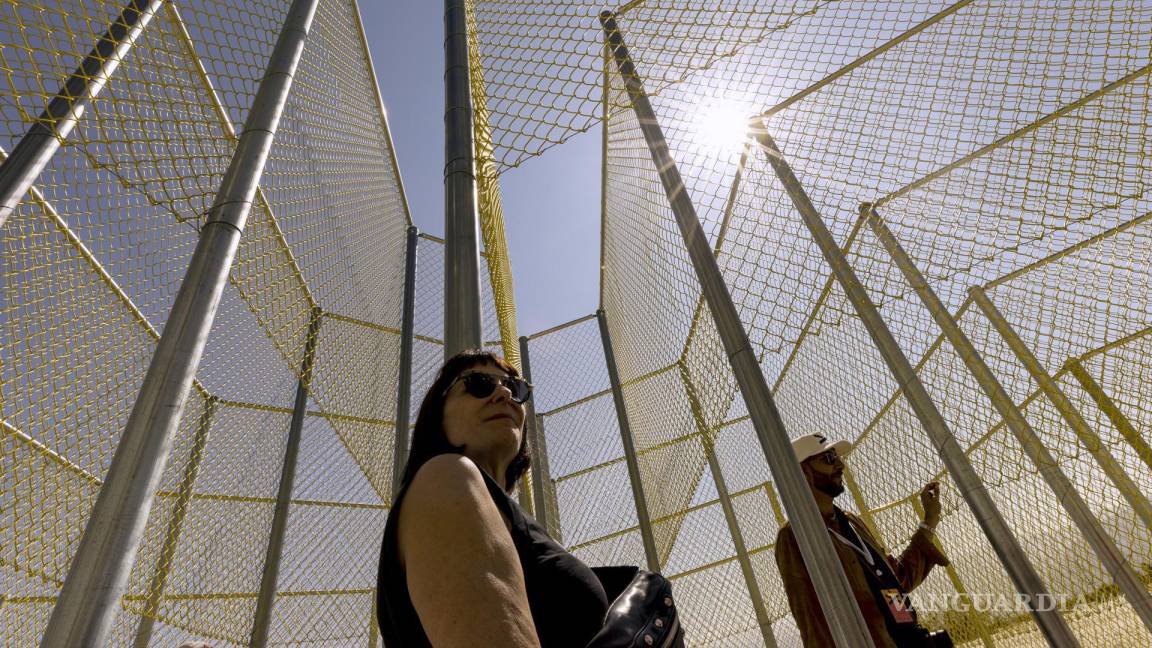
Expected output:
(830, 456)
(481, 385)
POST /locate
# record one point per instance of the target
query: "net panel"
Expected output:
(92, 262)
(986, 162)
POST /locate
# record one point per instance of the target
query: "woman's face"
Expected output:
(484, 427)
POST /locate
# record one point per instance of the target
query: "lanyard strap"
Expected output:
(861, 548)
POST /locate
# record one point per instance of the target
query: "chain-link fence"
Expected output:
(1003, 144)
(92, 260)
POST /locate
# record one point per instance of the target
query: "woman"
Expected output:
(461, 564)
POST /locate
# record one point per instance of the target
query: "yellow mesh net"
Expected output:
(1005, 148)
(1004, 144)
(92, 260)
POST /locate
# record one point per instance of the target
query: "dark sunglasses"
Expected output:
(481, 385)
(829, 456)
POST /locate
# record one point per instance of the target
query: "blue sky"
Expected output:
(551, 203)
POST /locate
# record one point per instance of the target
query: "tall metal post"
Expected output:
(99, 572)
(275, 548)
(971, 488)
(175, 525)
(547, 486)
(34, 150)
(644, 521)
(1007, 548)
(730, 517)
(1080, 427)
(461, 220)
(404, 380)
(540, 473)
(836, 598)
(1111, 410)
(1102, 544)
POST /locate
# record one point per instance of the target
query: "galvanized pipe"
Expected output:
(972, 489)
(175, 525)
(644, 521)
(1071, 415)
(404, 379)
(723, 494)
(461, 220)
(90, 597)
(36, 148)
(1102, 544)
(544, 512)
(266, 598)
(1112, 411)
(831, 585)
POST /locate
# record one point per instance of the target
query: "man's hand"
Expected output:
(930, 499)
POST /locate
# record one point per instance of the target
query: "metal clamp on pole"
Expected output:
(404, 379)
(262, 618)
(90, 597)
(36, 148)
(1102, 544)
(461, 220)
(837, 600)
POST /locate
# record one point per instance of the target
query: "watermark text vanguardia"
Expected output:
(987, 602)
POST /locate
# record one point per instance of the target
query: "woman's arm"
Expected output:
(463, 572)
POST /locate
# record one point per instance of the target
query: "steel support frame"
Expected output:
(1048, 467)
(266, 599)
(643, 519)
(43, 138)
(99, 572)
(837, 600)
(404, 379)
(708, 444)
(968, 482)
(545, 511)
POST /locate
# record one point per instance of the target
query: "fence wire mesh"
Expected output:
(1003, 146)
(92, 260)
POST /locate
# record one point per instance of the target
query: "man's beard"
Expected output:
(829, 486)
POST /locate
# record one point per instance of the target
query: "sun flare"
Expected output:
(722, 126)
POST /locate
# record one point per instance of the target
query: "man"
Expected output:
(880, 582)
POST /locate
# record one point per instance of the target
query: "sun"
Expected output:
(722, 126)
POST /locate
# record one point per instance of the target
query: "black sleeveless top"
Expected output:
(567, 601)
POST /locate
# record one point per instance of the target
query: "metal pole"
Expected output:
(98, 575)
(1077, 509)
(43, 138)
(536, 441)
(644, 521)
(971, 488)
(1111, 410)
(831, 585)
(404, 380)
(709, 446)
(1068, 411)
(1024, 576)
(547, 486)
(175, 524)
(275, 548)
(461, 221)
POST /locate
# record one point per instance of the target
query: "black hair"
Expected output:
(428, 437)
